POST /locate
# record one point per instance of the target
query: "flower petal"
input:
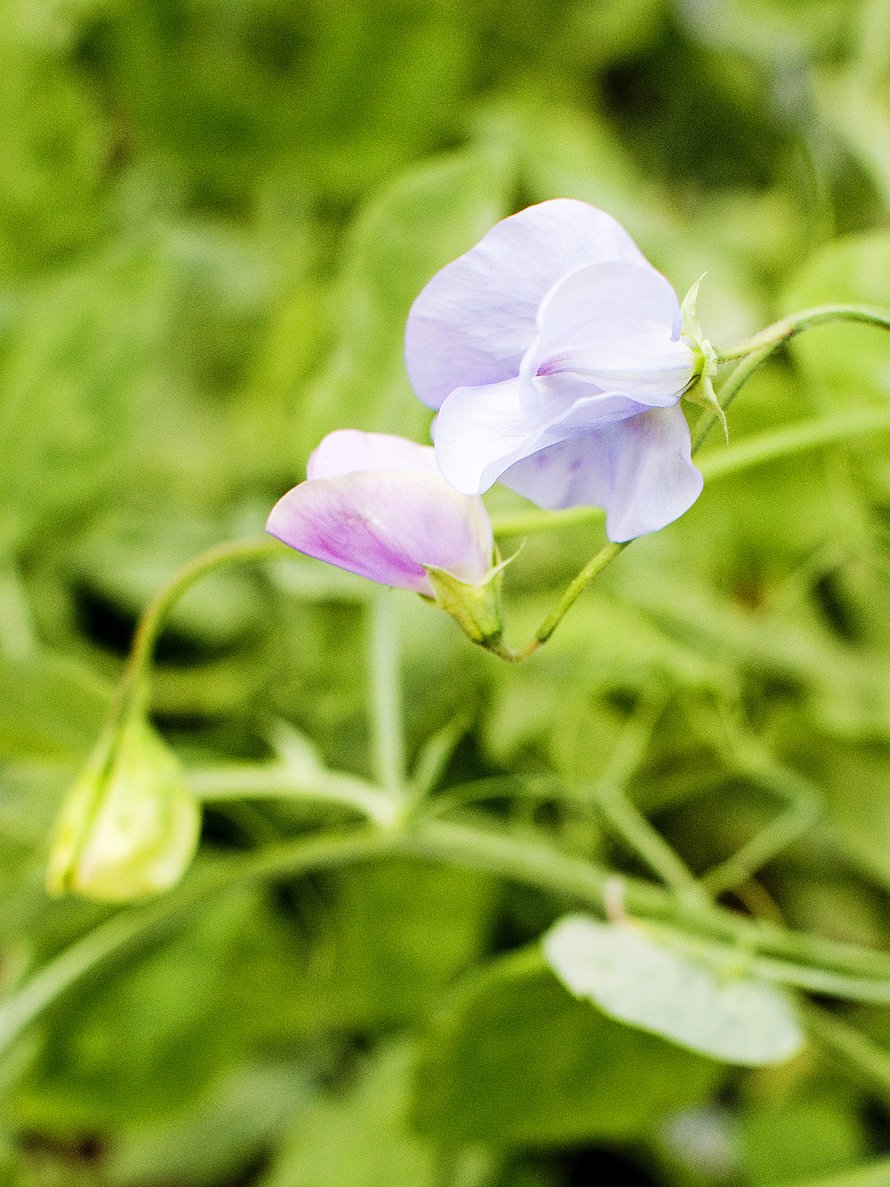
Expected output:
(617, 326)
(482, 431)
(348, 450)
(386, 525)
(639, 469)
(475, 319)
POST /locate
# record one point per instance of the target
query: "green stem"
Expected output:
(785, 329)
(849, 1046)
(152, 621)
(731, 388)
(572, 592)
(804, 811)
(811, 962)
(632, 827)
(385, 702)
(528, 861)
(218, 785)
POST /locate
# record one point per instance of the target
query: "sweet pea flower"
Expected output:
(553, 352)
(376, 505)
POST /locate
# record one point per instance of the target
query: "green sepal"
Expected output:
(701, 389)
(702, 393)
(129, 826)
(476, 609)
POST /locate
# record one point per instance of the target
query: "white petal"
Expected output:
(481, 431)
(349, 450)
(615, 325)
(475, 319)
(639, 469)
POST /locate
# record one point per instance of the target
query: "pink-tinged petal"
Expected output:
(475, 319)
(386, 525)
(347, 450)
(640, 470)
(481, 431)
(616, 326)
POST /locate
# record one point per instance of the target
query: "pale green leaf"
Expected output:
(645, 984)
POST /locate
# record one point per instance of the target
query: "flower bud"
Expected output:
(129, 827)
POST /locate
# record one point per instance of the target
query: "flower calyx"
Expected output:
(701, 387)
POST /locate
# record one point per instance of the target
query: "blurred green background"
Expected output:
(214, 215)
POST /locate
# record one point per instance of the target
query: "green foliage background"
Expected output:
(214, 215)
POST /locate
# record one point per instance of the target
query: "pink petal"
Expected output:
(348, 450)
(386, 525)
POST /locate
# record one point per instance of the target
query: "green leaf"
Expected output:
(643, 983)
(362, 1138)
(848, 363)
(787, 1139)
(376, 962)
(876, 1174)
(517, 1061)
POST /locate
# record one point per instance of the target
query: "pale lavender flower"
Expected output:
(553, 352)
(377, 505)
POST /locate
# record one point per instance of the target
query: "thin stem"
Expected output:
(731, 388)
(632, 827)
(807, 961)
(219, 785)
(528, 861)
(152, 621)
(785, 329)
(573, 591)
(849, 1046)
(625, 818)
(783, 972)
(385, 694)
(804, 811)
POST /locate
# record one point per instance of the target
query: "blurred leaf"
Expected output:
(875, 1174)
(362, 1138)
(50, 708)
(375, 964)
(431, 214)
(515, 1059)
(636, 980)
(783, 1141)
(216, 1137)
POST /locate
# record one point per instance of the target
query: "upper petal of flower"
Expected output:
(481, 431)
(616, 326)
(386, 525)
(640, 470)
(347, 450)
(475, 319)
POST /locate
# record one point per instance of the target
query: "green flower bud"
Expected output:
(129, 827)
